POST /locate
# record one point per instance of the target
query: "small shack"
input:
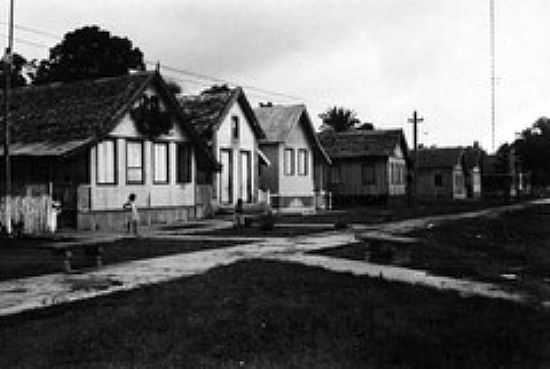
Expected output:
(440, 173)
(367, 165)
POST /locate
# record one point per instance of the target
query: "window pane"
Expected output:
(134, 159)
(302, 162)
(289, 162)
(235, 127)
(134, 162)
(106, 162)
(160, 154)
(184, 163)
(134, 175)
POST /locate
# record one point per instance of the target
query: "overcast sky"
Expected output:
(382, 59)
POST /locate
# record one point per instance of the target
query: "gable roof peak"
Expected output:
(207, 110)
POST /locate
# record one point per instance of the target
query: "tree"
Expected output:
(366, 126)
(502, 162)
(86, 53)
(339, 119)
(533, 150)
(174, 87)
(215, 89)
(18, 65)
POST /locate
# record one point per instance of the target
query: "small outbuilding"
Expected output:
(440, 173)
(367, 165)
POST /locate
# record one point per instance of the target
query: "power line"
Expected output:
(27, 42)
(35, 31)
(186, 72)
(221, 80)
(206, 84)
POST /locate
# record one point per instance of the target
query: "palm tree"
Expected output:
(339, 119)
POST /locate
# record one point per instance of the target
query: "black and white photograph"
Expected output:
(227, 184)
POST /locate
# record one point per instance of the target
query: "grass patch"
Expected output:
(24, 258)
(260, 314)
(375, 214)
(512, 249)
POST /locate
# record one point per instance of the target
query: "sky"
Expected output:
(382, 59)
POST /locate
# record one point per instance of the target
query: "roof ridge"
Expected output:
(58, 84)
(284, 106)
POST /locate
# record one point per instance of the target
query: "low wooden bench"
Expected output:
(93, 252)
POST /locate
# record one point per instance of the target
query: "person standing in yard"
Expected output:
(238, 218)
(133, 218)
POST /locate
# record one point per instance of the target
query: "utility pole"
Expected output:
(415, 120)
(493, 71)
(7, 86)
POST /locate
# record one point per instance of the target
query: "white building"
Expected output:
(226, 121)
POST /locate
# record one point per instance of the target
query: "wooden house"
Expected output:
(440, 173)
(226, 121)
(296, 157)
(367, 165)
(89, 144)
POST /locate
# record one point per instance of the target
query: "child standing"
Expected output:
(238, 218)
(133, 219)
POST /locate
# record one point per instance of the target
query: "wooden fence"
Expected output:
(35, 214)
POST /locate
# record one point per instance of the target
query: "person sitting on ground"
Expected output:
(133, 219)
(238, 217)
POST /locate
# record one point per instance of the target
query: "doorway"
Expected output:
(226, 176)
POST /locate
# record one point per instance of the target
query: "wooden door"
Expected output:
(226, 177)
(245, 183)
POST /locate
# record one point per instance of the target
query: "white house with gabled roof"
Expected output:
(225, 120)
(296, 155)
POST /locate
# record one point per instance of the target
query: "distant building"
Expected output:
(226, 121)
(474, 157)
(89, 144)
(440, 173)
(367, 165)
(297, 158)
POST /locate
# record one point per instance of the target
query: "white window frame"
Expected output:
(303, 162)
(103, 176)
(134, 167)
(289, 161)
(156, 165)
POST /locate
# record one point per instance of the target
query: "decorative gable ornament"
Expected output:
(150, 120)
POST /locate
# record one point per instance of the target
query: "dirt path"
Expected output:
(38, 292)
